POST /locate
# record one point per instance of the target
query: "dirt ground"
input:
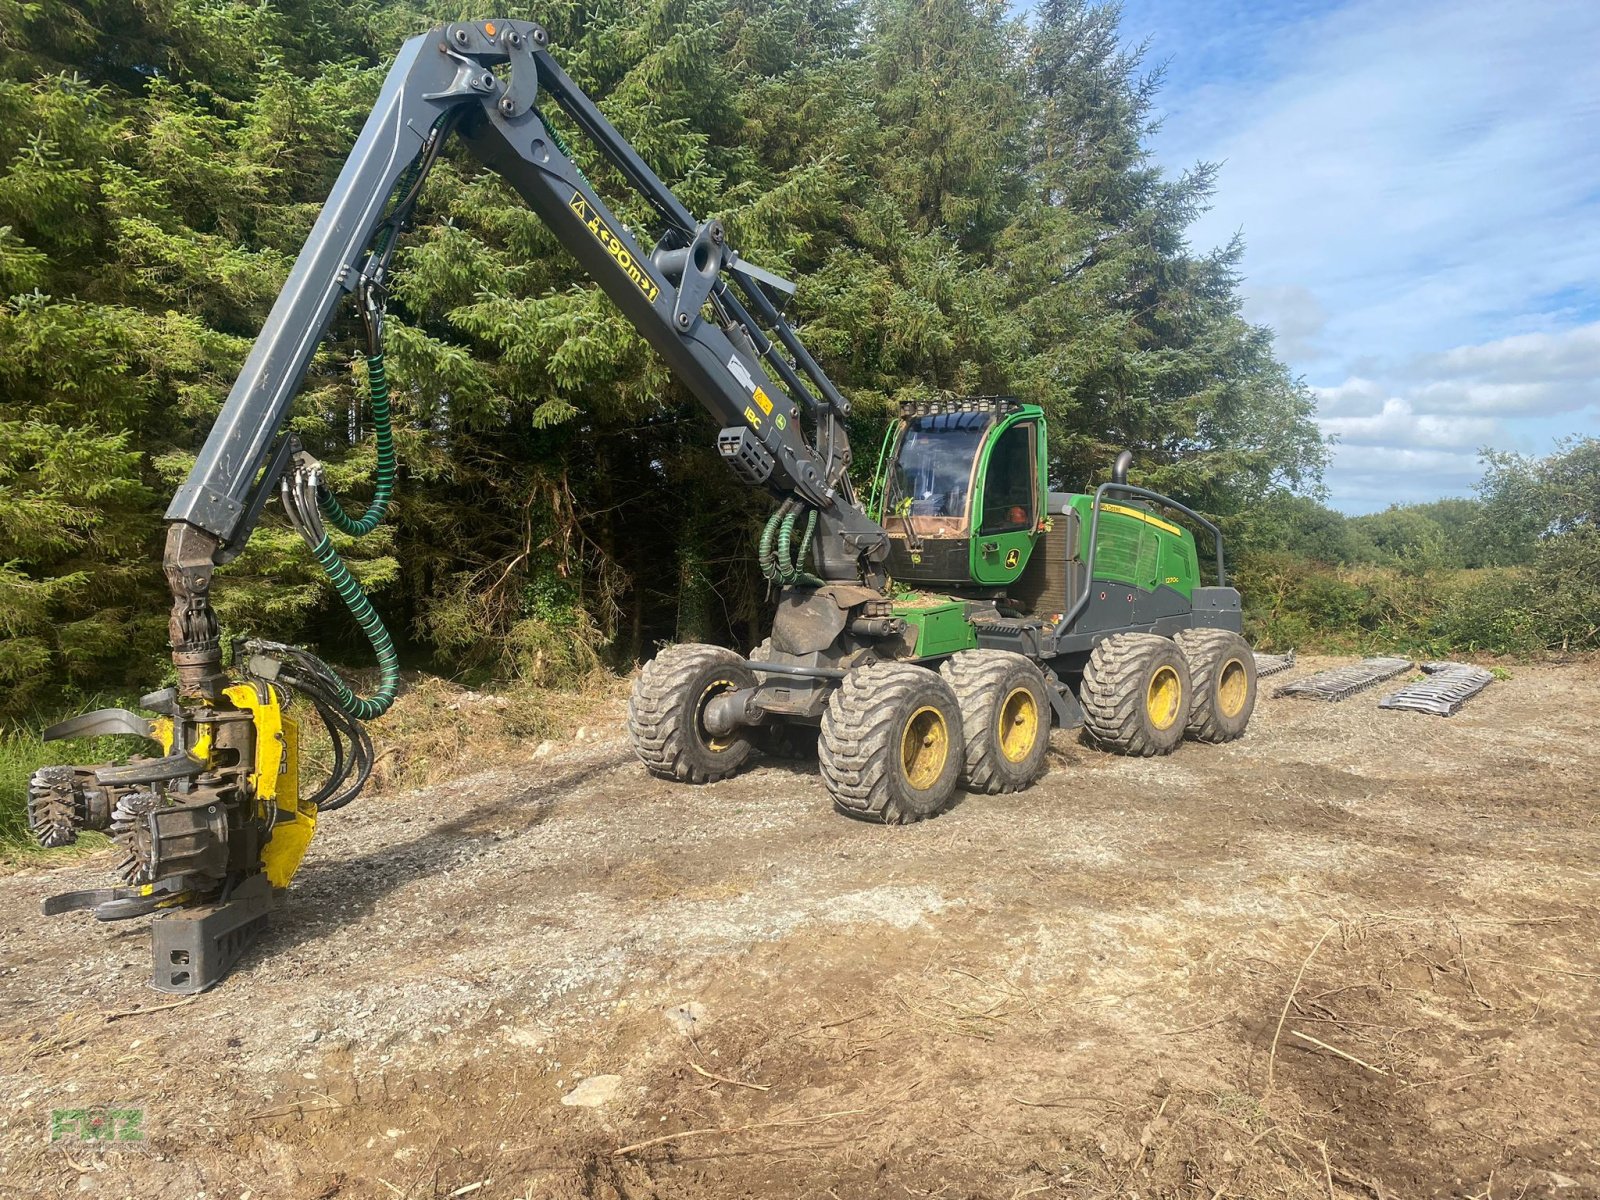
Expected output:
(1352, 955)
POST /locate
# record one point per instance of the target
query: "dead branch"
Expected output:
(139, 1012)
(729, 1129)
(1272, 1054)
(755, 1087)
(1344, 1054)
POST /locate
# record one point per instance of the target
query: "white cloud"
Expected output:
(1298, 318)
(1369, 478)
(1355, 397)
(1423, 422)
(1416, 185)
(1570, 356)
(1397, 425)
(1477, 396)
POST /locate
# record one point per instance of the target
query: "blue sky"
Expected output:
(1418, 185)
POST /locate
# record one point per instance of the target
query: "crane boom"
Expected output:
(703, 309)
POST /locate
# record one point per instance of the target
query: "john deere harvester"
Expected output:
(924, 639)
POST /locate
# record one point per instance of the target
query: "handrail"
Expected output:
(1128, 489)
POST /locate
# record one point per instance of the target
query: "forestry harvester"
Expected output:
(926, 636)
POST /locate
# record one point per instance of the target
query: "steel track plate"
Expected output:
(1272, 664)
(1448, 686)
(1340, 683)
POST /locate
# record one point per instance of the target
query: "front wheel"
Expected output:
(666, 713)
(1006, 715)
(891, 744)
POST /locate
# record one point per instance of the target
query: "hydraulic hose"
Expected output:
(805, 543)
(785, 537)
(791, 569)
(299, 489)
(769, 563)
(362, 708)
(383, 483)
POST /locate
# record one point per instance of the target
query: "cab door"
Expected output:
(1007, 508)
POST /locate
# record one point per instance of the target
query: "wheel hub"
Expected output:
(924, 747)
(1233, 686)
(1019, 725)
(714, 741)
(1163, 696)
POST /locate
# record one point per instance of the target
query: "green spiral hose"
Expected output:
(785, 536)
(789, 568)
(769, 565)
(805, 543)
(362, 708)
(383, 484)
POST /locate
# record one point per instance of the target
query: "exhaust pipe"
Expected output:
(1119, 469)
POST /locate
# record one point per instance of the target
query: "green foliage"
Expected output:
(1451, 576)
(965, 197)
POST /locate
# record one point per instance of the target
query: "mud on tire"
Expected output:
(1005, 713)
(891, 744)
(666, 709)
(1222, 670)
(1135, 694)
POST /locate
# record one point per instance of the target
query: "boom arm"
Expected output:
(445, 81)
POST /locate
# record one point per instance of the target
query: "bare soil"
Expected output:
(1352, 955)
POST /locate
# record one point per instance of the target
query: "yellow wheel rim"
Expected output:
(924, 747)
(1233, 685)
(1163, 697)
(715, 688)
(1019, 725)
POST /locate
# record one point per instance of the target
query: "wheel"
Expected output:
(1223, 671)
(891, 744)
(1006, 715)
(667, 709)
(1135, 694)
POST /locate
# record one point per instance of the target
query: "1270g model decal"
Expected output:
(614, 247)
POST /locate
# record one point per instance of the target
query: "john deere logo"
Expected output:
(1013, 558)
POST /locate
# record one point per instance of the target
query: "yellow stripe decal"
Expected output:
(1166, 526)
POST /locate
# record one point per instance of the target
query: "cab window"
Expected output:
(1008, 488)
(934, 466)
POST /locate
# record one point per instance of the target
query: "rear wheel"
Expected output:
(891, 744)
(1223, 671)
(1135, 694)
(666, 713)
(1006, 717)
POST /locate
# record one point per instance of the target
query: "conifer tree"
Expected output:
(966, 199)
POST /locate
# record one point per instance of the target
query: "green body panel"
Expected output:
(940, 628)
(1138, 547)
(997, 559)
(1009, 487)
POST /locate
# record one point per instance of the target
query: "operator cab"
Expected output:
(960, 491)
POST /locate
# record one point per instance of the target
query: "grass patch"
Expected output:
(22, 752)
(438, 729)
